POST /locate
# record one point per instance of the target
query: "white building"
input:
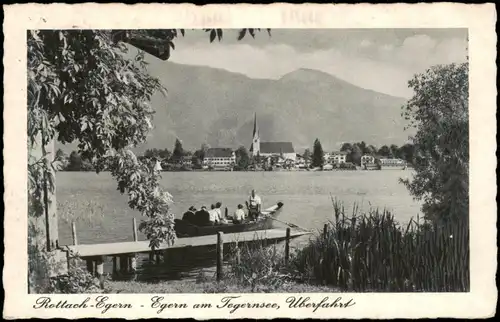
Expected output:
(219, 158)
(367, 159)
(268, 149)
(336, 157)
(392, 163)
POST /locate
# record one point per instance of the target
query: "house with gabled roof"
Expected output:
(219, 158)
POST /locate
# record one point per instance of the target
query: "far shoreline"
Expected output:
(250, 171)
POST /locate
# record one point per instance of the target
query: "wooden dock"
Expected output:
(124, 253)
(115, 249)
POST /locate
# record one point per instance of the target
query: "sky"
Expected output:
(383, 60)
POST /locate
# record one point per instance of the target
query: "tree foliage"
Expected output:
(178, 153)
(394, 151)
(407, 153)
(77, 163)
(318, 154)
(355, 154)
(307, 155)
(384, 151)
(60, 154)
(346, 147)
(242, 158)
(62, 159)
(439, 112)
(362, 146)
(371, 150)
(155, 153)
(197, 158)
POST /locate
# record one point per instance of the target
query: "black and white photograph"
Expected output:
(247, 160)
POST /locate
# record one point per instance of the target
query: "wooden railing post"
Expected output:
(133, 257)
(220, 254)
(72, 261)
(100, 270)
(237, 252)
(115, 265)
(164, 254)
(49, 198)
(90, 265)
(73, 233)
(123, 264)
(134, 227)
(287, 246)
(158, 258)
(133, 263)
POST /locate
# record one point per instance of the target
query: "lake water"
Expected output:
(103, 214)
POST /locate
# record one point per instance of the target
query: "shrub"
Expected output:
(77, 281)
(258, 267)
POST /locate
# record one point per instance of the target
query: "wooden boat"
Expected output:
(265, 221)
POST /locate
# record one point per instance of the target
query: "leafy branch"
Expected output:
(81, 87)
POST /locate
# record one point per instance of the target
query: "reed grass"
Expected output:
(371, 252)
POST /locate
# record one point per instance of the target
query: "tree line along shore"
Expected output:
(180, 159)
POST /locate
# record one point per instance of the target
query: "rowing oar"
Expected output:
(286, 223)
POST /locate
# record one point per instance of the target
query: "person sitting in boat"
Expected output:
(254, 206)
(239, 215)
(202, 217)
(220, 218)
(214, 215)
(189, 215)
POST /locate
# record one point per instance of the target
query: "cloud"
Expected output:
(421, 51)
(421, 43)
(384, 67)
(451, 51)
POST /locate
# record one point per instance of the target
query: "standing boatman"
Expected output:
(254, 205)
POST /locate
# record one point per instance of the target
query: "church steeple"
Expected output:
(255, 149)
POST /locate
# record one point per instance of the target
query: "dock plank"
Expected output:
(111, 249)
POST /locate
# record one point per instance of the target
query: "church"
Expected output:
(268, 149)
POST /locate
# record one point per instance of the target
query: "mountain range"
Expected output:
(217, 107)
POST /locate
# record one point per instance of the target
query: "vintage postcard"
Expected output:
(249, 161)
